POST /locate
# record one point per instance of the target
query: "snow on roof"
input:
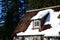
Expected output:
(29, 31)
(53, 20)
(40, 14)
(53, 31)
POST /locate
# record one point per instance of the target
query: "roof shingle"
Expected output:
(24, 22)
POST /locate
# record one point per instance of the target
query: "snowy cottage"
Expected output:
(39, 25)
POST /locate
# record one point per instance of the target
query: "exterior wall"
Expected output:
(51, 37)
(38, 38)
(29, 38)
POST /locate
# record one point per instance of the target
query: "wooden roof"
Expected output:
(25, 21)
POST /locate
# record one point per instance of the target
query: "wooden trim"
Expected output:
(48, 26)
(36, 28)
(34, 25)
(59, 16)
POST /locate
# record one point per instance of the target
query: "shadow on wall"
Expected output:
(48, 18)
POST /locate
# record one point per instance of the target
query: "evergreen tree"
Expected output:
(37, 4)
(12, 12)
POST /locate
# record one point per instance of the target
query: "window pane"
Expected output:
(36, 23)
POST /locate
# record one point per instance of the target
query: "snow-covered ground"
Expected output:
(51, 19)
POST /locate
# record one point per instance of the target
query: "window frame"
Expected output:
(34, 26)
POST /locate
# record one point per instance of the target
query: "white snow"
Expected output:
(53, 31)
(41, 14)
(54, 21)
(29, 31)
(51, 19)
(54, 18)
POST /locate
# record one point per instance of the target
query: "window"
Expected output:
(36, 23)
